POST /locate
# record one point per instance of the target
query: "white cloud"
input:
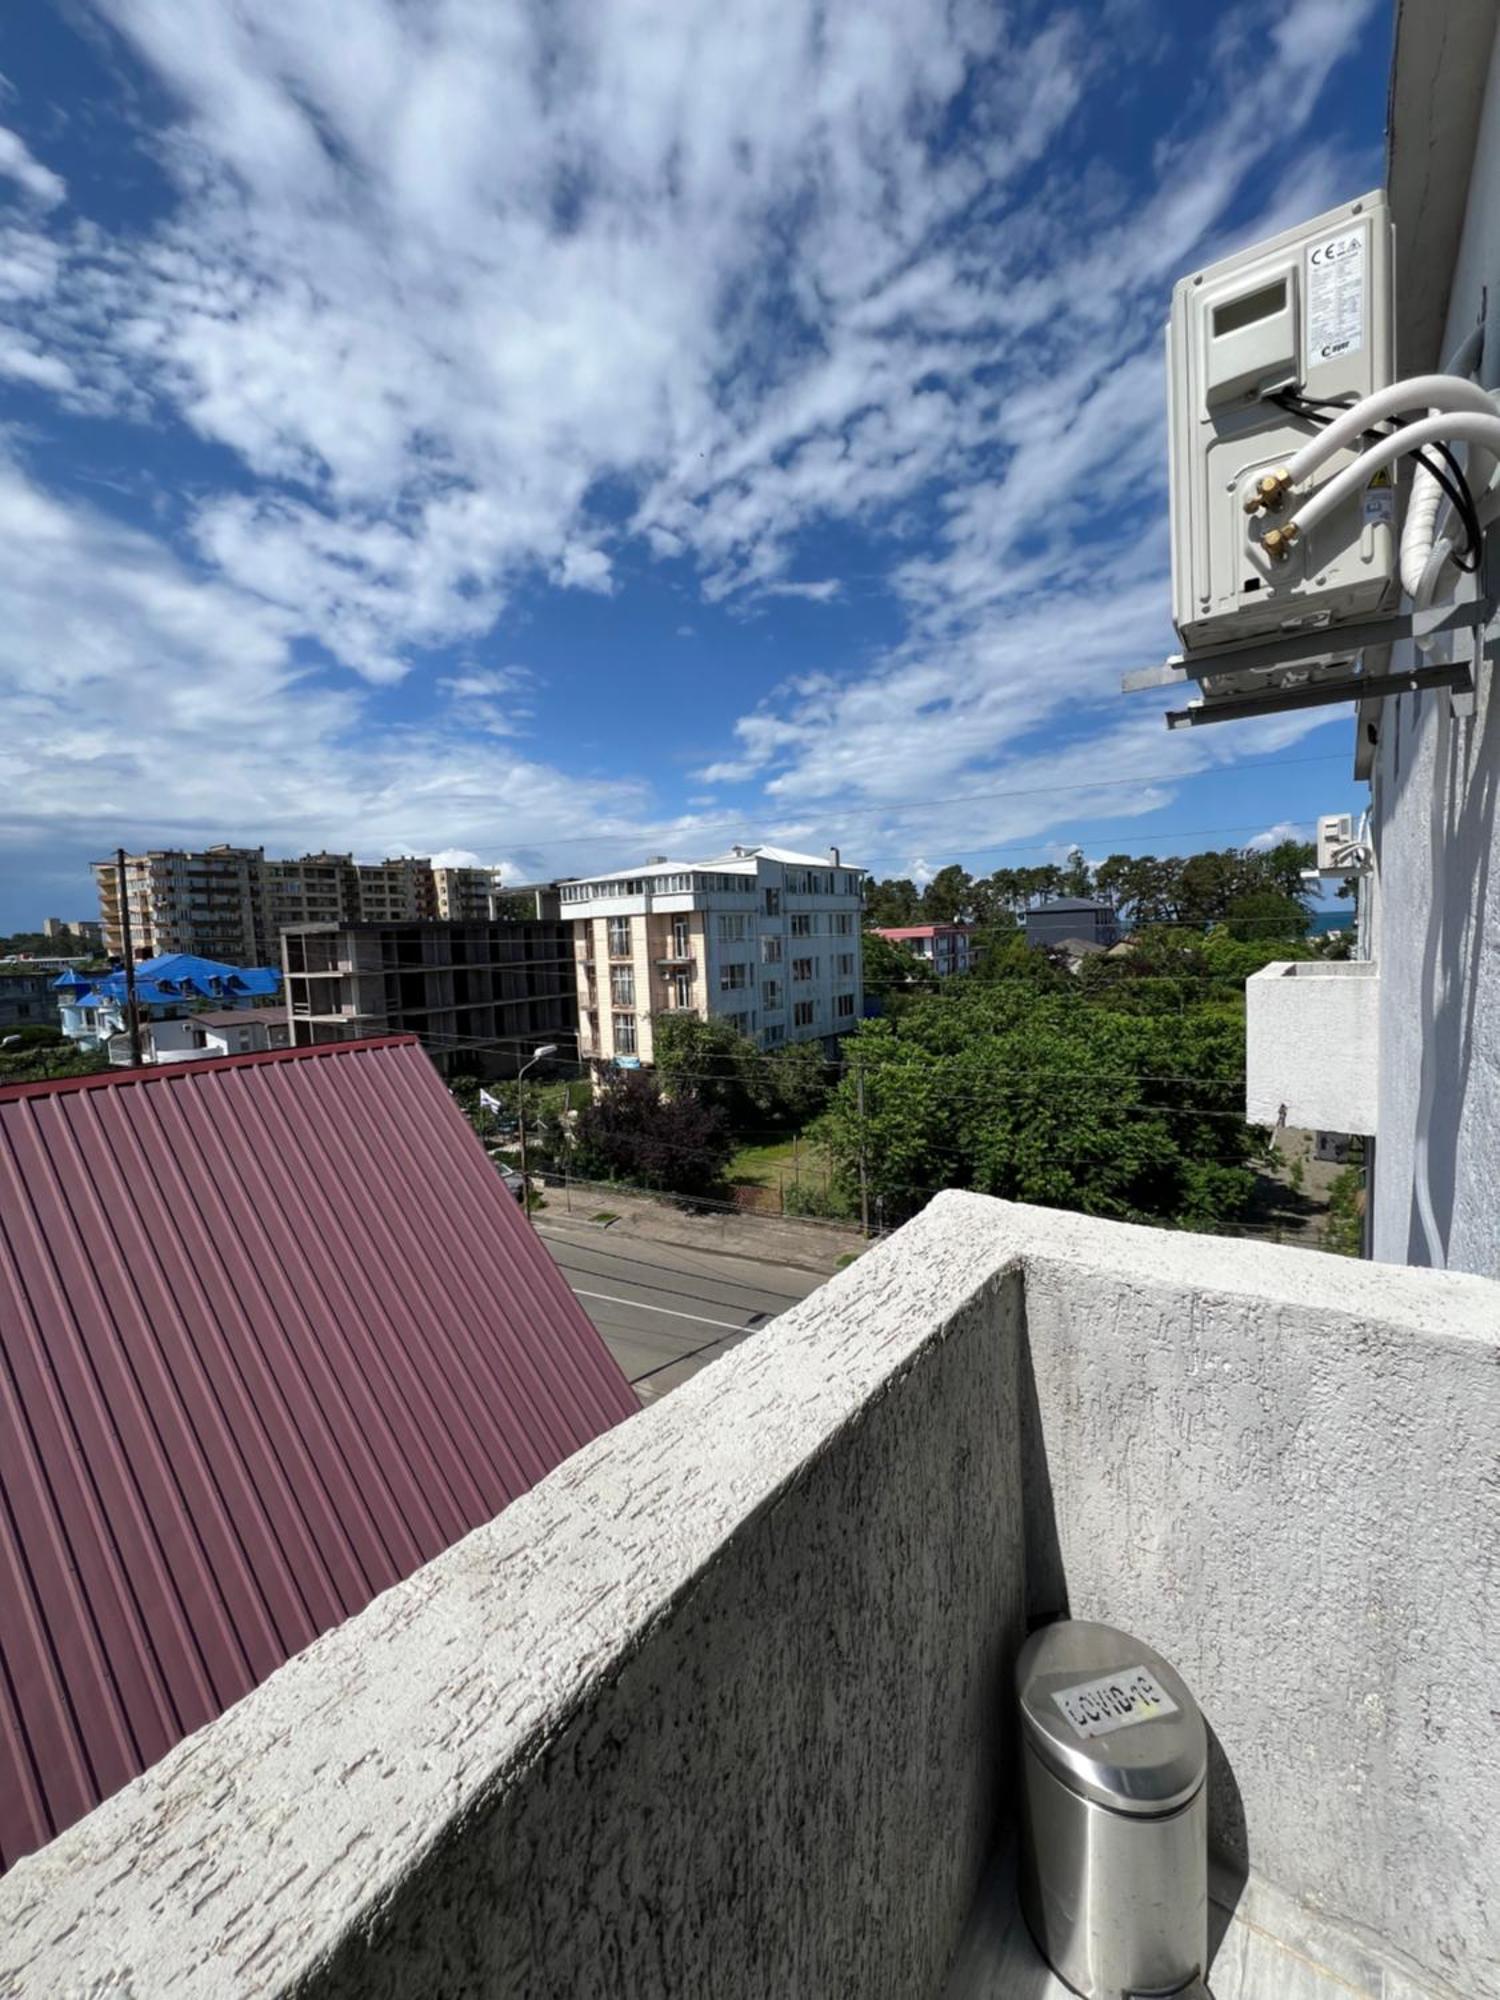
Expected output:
(586, 569)
(823, 591)
(1273, 836)
(149, 704)
(19, 164)
(482, 295)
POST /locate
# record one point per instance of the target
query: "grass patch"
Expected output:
(846, 1260)
(606, 1215)
(765, 1166)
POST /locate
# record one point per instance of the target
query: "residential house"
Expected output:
(234, 1031)
(94, 1006)
(1071, 921)
(26, 997)
(762, 937)
(945, 948)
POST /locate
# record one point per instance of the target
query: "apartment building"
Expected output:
(480, 995)
(206, 903)
(946, 948)
(762, 937)
(466, 894)
(394, 892)
(231, 903)
(87, 931)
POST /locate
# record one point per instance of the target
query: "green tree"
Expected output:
(948, 897)
(1266, 914)
(635, 1131)
(715, 1063)
(891, 972)
(892, 903)
(800, 1080)
(1040, 1095)
(1004, 955)
(1077, 877)
(45, 1061)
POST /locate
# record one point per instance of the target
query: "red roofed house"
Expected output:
(945, 947)
(274, 1336)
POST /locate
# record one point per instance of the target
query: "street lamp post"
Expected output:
(538, 1055)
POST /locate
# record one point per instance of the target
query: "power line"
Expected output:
(664, 830)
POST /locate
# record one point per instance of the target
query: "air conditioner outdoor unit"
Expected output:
(1305, 315)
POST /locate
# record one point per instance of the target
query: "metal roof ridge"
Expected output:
(185, 1071)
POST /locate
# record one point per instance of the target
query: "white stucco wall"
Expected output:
(1312, 1045)
(720, 1707)
(1450, 1031)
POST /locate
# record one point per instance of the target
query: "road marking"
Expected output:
(610, 1298)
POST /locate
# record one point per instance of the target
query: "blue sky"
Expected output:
(550, 434)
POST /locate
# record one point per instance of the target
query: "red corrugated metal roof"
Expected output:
(922, 930)
(274, 1334)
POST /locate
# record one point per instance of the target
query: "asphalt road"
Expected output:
(665, 1312)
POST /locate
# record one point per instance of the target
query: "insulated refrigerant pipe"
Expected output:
(1438, 393)
(1462, 427)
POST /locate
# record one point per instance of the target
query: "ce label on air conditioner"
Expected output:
(1336, 296)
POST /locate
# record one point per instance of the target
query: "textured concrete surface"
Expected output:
(1453, 1028)
(1285, 1481)
(719, 1707)
(713, 1710)
(1312, 1046)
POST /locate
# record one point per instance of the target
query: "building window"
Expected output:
(770, 994)
(843, 1006)
(680, 945)
(735, 978)
(804, 924)
(731, 930)
(773, 902)
(774, 1035)
(622, 985)
(624, 1034)
(680, 990)
(846, 965)
(802, 1014)
(770, 951)
(843, 923)
(619, 937)
(802, 969)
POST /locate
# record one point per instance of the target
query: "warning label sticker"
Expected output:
(1336, 296)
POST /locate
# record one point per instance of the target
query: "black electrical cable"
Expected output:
(1449, 474)
(1444, 468)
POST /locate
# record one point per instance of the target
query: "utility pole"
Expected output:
(864, 1179)
(132, 1006)
(547, 1049)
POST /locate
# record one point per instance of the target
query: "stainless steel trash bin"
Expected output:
(1114, 1862)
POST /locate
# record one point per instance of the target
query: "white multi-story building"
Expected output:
(762, 937)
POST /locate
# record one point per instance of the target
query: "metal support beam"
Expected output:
(1322, 694)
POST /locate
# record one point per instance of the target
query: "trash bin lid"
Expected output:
(1109, 1718)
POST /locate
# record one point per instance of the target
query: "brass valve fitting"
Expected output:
(1279, 542)
(1268, 493)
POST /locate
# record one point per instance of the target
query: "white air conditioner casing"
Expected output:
(1309, 310)
(1335, 837)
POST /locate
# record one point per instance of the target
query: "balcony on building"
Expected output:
(722, 1706)
(1312, 1045)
